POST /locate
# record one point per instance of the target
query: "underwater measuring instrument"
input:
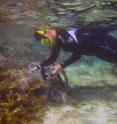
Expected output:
(47, 74)
(37, 69)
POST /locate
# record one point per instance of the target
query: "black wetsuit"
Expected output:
(91, 42)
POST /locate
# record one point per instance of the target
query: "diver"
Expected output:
(79, 41)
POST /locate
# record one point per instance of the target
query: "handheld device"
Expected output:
(46, 74)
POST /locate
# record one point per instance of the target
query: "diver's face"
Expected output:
(51, 35)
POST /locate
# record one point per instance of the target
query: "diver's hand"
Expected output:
(56, 68)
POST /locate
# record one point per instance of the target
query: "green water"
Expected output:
(18, 34)
(94, 80)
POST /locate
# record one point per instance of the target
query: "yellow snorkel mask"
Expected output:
(40, 36)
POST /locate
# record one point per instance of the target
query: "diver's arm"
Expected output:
(71, 60)
(53, 56)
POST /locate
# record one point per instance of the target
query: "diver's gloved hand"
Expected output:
(56, 68)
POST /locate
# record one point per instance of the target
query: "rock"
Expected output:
(87, 107)
(19, 4)
(30, 14)
(4, 51)
(13, 17)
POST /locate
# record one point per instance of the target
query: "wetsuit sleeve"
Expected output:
(72, 59)
(53, 56)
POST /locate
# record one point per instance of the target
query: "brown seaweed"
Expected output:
(16, 107)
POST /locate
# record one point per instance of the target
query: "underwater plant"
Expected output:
(17, 107)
